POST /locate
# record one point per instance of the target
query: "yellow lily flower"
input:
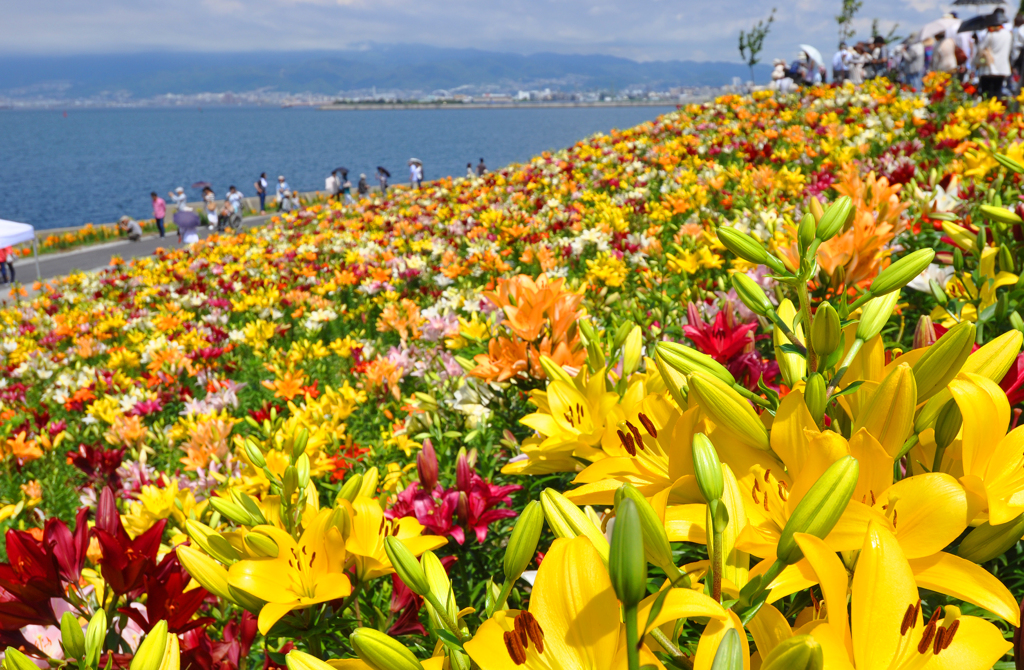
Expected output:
(365, 544)
(304, 573)
(885, 629)
(985, 296)
(993, 460)
(573, 620)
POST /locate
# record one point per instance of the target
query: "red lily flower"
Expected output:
(199, 651)
(723, 340)
(32, 575)
(408, 603)
(1013, 381)
(68, 549)
(99, 465)
(125, 561)
(16, 613)
(168, 600)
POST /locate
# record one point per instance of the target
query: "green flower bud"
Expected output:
(299, 446)
(632, 350)
(937, 292)
(1000, 215)
(835, 218)
(688, 360)
(900, 273)
(656, 545)
(707, 468)
(947, 426)
(730, 653)
(260, 545)
(728, 410)
(290, 482)
(380, 651)
(805, 232)
(1008, 163)
(875, 314)
(748, 248)
(958, 260)
(565, 519)
(1006, 263)
(350, 489)
(72, 639)
(815, 397)
(95, 634)
(255, 454)
(800, 652)
(943, 360)
(987, 541)
(210, 541)
(675, 381)
(924, 333)
(408, 568)
(1016, 321)
(793, 366)
(232, 511)
(627, 565)
(15, 660)
(751, 294)
(210, 574)
(522, 545)
(150, 654)
(302, 470)
(820, 509)
(300, 660)
(826, 330)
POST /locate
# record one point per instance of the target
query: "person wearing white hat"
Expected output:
(283, 190)
(180, 199)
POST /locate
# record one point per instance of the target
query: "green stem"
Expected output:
(442, 614)
(506, 589)
(718, 560)
(850, 355)
(666, 644)
(632, 639)
(937, 463)
(793, 339)
(805, 309)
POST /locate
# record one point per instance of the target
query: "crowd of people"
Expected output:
(989, 59)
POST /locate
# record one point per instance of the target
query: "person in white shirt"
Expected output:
(1016, 59)
(839, 68)
(180, 199)
(235, 197)
(282, 189)
(331, 186)
(261, 191)
(913, 63)
(993, 61)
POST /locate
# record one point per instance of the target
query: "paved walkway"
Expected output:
(98, 256)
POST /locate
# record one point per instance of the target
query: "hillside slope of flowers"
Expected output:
(734, 388)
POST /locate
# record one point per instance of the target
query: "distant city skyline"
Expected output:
(640, 29)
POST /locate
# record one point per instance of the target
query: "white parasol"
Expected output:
(812, 53)
(946, 24)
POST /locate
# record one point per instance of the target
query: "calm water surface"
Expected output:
(94, 166)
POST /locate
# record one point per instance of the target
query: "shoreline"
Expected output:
(356, 106)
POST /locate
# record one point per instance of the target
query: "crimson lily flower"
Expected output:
(1013, 381)
(125, 561)
(722, 339)
(168, 600)
(68, 549)
(199, 651)
(32, 575)
(99, 465)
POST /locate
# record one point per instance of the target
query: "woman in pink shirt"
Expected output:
(159, 211)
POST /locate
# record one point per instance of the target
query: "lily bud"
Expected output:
(656, 545)
(937, 292)
(567, 520)
(987, 541)
(800, 652)
(675, 381)
(902, 272)
(368, 487)
(426, 466)
(462, 508)
(300, 660)
(210, 574)
(627, 565)
(522, 545)
(1006, 263)
(15, 660)
(553, 370)
(290, 482)
(380, 651)
(302, 471)
(632, 350)
(924, 334)
(958, 260)
(350, 489)
(751, 294)
(255, 454)
(408, 568)
(889, 414)
(260, 545)
(95, 634)
(463, 471)
(748, 248)
(815, 397)
(1008, 163)
(826, 330)
(947, 427)
(71, 636)
(728, 410)
(820, 509)
(730, 654)
(817, 211)
(805, 232)
(1016, 321)
(707, 468)
(875, 314)
(624, 329)
(835, 218)
(687, 360)
(232, 511)
(212, 542)
(943, 360)
(792, 366)
(299, 446)
(150, 654)
(1000, 215)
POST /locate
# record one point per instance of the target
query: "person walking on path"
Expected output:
(362, 188)
(6, 265)
(993, 61)
(283, 190)
(179, 199)
(261, 190)
(159, 211)
(481, 169)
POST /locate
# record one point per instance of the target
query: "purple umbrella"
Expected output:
(201, 184)
(187, 222)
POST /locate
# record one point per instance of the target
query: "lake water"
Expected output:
(96, 165)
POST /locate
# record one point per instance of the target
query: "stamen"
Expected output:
(908, 620)
(814, 601)
(767, 473)
(636, 435)
(753, 494)
(937, 614)
(533, 630)
(940, 636)
(926, 638)
(515, 651)
(648, 424)
(872, 494)
(766, 503)
(627, 442)
(950, 632)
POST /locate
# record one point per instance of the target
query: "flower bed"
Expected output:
(734, 386)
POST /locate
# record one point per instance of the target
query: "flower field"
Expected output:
(736, 388)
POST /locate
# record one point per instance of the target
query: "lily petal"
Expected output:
(967, 581)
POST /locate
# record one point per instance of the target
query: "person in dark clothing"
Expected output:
(362, 188)
(481, 169)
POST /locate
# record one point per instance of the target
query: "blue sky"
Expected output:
(638, 29)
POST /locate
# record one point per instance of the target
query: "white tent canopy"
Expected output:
(12, 233)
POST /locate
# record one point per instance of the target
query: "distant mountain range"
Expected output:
(386, 68)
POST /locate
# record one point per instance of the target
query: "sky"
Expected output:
(637, 29)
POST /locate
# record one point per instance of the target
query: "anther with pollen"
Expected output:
(636, 436)
(648, 424)
(524, 631)
(627, 442)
